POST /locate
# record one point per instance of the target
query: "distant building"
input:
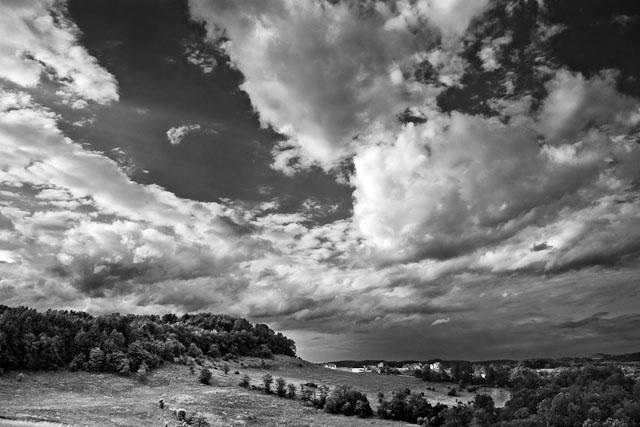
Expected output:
(479, 371)
(435, 366)
(330, 366)
(358, 370)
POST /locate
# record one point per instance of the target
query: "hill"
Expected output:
(126, 343)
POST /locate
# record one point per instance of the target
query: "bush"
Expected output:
(281, 387)
(197, 420)
(205, 376)
(244, 381)
(20, 377)
(214, 351)
(346, 401)
(225, 368)
(406, 406)
(267, 380)
(291, 390)
(78, 362)
(142, 372)
(194, 351)
(452, 392)
(96, 360)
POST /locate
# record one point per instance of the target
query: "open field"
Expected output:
(86, 399)
(370, 383)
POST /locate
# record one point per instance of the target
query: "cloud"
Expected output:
(503, 222)
(37, 38)
(177, 134)
(459, 182)
(107, 235)
(322, 73)
(451, 17)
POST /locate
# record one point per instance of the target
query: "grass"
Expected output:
(58, 398)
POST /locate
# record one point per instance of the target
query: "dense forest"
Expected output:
(124, 343)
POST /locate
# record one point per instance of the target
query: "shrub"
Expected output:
(77, 362)
(291, 389)
(452, 392)
(236, 372)
(197, 420)
(124, 368)
(267, 380)
(306, 394)
(214, 351)
(114, 361)
(244, 381)
(281, 386)
(142, 372)
(405, 406)
(225, 368)
(20, 377)
(96, 360)
(205, 376)
(194, 351)
(344, 400)
(181, 414)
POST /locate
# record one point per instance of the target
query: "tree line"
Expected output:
(30, 339)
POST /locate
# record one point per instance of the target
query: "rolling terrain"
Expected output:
(83, 399)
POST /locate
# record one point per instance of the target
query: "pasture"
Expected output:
(58, 398)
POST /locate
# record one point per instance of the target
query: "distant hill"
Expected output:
(533, 363)
(30, 339)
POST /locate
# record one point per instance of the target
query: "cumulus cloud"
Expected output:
(322, 73)
(178, 133)
(36, 39)
(106, 233)
(459, 182)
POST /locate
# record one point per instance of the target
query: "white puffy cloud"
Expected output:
(78, 213)
(575, 104)
(451, 17)
(459, 182)
(490, 52)
(178, 133)
(319, 73)
(36, 38)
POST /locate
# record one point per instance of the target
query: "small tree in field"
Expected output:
(267, 380)
(142, 372)
(205, 376)
(244, 381)
(291, 390)
(281, 386)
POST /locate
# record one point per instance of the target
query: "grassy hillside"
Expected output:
(88, 399)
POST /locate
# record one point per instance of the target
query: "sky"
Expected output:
(394, 179)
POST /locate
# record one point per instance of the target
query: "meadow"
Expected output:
(87, 399)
